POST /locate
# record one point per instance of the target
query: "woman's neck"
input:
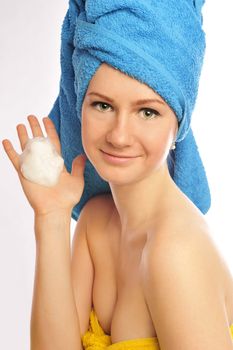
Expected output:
(142, 204)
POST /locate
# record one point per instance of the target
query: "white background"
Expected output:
(29, 84)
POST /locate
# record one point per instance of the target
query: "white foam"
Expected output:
(40, 162)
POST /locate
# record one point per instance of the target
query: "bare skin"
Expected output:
(124, 127)
(145, 213)
(148, 209)
(53, 284)
(118, 297)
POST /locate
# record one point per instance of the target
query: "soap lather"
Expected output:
(40, 162)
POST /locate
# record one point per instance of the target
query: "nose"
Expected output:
(120, 134)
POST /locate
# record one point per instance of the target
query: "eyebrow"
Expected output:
(136, 103)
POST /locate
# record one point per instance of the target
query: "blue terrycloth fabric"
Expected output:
(158, 42)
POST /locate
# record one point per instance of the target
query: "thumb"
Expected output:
(78, 165)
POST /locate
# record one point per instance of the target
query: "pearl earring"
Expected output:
(173, 145)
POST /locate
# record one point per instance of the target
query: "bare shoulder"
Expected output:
(188, 238)
(184, 286)
(93, 215)
(102, 201)
(99, 209)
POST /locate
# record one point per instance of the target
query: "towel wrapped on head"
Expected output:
(158, 42)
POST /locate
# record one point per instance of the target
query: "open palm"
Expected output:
(67, 192)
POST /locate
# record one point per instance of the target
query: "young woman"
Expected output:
(143, 271)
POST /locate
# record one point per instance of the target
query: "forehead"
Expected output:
(109, 80)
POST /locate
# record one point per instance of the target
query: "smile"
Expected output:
(117, 159)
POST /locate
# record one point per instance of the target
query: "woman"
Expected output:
(142, 255)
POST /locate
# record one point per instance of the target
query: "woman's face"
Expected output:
(118, 123)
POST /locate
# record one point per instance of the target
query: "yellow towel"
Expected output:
(96, 339)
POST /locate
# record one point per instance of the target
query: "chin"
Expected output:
(119, 175)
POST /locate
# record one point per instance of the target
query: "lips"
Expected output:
(119, 155)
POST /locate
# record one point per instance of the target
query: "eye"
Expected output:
(152, 113)
(103, 106)
(99, 103)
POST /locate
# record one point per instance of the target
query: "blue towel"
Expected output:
(160, 43)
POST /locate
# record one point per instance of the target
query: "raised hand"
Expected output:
(67, 192)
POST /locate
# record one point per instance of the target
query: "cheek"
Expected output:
(91, 131)
(158, 144)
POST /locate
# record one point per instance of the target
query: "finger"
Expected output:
(35, 126)
(22, 134)
(52, 133)
(11, 153)
(78, 165)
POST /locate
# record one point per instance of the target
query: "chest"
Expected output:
(118, 296)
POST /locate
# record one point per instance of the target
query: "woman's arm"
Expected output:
(54, 319)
